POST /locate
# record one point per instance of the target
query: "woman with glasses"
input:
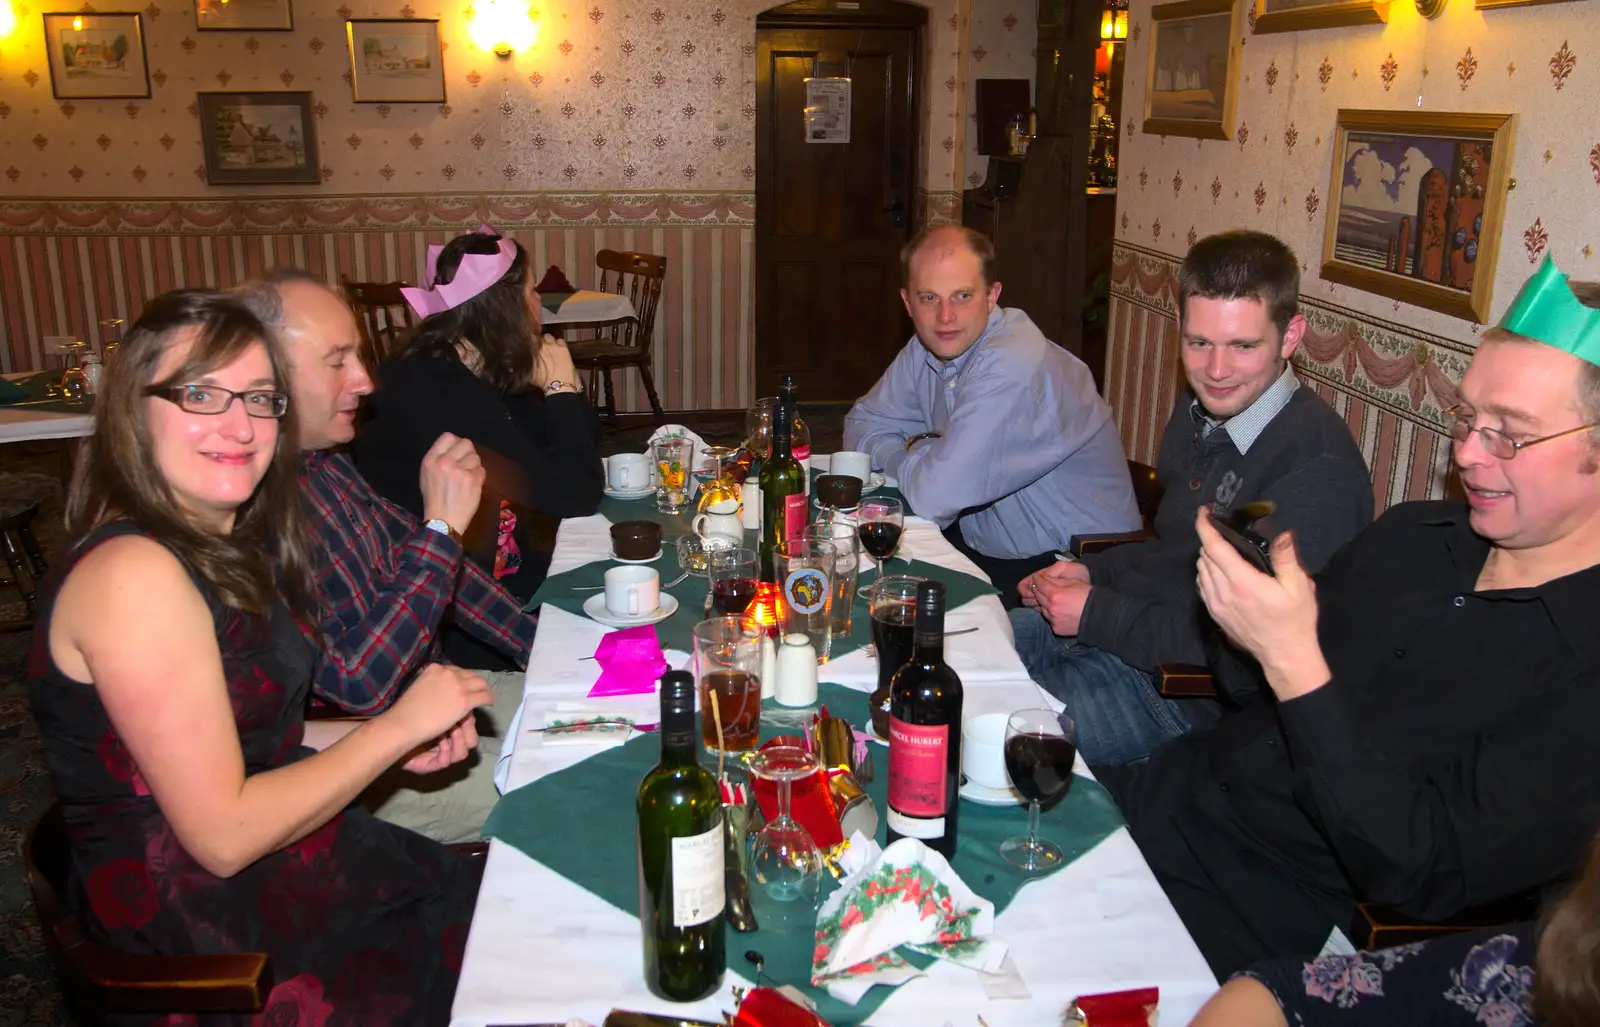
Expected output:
(169, 679)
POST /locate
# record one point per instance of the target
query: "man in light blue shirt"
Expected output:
(995, 433)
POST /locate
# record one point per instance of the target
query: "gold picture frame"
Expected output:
(1300, 15)
(1416, 203)
(1485, 4)
(1192, 74)
(395, 60)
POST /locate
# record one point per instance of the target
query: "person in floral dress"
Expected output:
(169, 678)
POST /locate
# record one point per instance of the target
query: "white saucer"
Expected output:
(653, 559)
(986, 796)
(873, 483)
(648, 490)
(870, 732)
(595, 609)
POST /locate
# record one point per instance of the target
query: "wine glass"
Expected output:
(110, 336)
(734, 578)
(785, 864)
(713, 463)
(1041, 746)
(879, 523)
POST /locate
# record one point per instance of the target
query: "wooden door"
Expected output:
(831, 217)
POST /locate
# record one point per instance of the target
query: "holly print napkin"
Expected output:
(905, 895)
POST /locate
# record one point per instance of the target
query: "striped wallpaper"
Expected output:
(62, 270)
(1389, 383)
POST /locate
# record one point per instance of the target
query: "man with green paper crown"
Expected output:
(1431, 741)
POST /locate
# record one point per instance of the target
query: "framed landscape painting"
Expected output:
(1295, 15)
(259, 138)
(1415, 205)
(395, 60)
(1193, 73)
(96, 56)
(243, 15)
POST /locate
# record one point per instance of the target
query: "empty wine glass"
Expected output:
(1041, 746)
(879, 524)
(785, 864)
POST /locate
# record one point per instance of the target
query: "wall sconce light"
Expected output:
(8, 19)
(1430, 8)
(1114, 24)
(503, 27)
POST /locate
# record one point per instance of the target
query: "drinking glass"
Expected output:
(1040, 748)
(714, 463)
(805, 590)
(734, 579)
(845, 568)
(879, 524)
(110, 336)
(785, 865)
(892, 601)
(672, 457)
(727, 666)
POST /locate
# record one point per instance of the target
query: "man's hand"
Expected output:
(1061, 602)
(451, 748)
(452, 482)
(553, 364)
(1274, 618)
(1058, 573)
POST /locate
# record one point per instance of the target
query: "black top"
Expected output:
(1449, 761)
(550, 449)
(1144, 607)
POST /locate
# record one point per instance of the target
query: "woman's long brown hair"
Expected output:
(1567, 970)
(117, 477)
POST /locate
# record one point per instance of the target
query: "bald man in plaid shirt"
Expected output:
(387, 582)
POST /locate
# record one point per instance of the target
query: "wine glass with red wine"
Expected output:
(1041, 746)
(733, 580)
(879, 524)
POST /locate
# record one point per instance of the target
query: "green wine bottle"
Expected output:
(681, 891)
(783, 485)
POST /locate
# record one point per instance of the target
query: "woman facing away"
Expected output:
(169, 680)
(1498, 978)
(478, 367)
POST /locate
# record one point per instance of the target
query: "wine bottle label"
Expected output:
(697, 882)
(918, 755)
(794, 516)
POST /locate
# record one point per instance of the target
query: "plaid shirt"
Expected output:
(384, 583)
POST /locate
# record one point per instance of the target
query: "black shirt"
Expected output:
(1450, 760)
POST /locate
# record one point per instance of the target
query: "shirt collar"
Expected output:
(1247, 425)
(954, 368)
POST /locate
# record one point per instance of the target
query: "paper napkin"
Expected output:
(630, 662)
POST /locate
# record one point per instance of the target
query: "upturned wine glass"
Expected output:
(1041, 746)
(786, 866)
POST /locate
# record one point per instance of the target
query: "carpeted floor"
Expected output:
(29, 994)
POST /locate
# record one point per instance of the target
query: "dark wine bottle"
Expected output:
(681, 880)
(925, 735)
(783, 485)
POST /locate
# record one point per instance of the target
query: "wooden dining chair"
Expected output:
(99, 979)
(626, 343)
(382, 314)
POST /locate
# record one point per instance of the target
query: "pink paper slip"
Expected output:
(630, 662)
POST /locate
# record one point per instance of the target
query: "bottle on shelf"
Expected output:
(682, 898)
(783, 490)
(925, 735)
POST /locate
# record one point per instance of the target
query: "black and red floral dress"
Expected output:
(364, 922)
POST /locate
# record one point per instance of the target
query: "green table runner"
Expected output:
(580, 822)
(645, 509)
(34, 391)
(676, 632)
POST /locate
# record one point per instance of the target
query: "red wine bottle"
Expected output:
(925, 735)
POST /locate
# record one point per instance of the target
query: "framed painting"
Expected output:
(243, 16)
(1415, 206)
(259, 138)
(1295, 15)
(395, 61)
(1192, 79)
(1481, 4)
(96, 56)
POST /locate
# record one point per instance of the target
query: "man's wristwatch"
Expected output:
(913, 440)
(560, 386)
(442, 526)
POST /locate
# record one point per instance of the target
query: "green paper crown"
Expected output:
(1547, 310)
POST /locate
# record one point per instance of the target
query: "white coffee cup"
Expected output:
(632, 591)
(983, 750)
(628, 471)
(853, 463)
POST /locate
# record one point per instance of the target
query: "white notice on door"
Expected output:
(827, 110)
(697, 886)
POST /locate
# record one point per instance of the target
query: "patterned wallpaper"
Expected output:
(1538, 62)
(1004, 37)
(614, 95)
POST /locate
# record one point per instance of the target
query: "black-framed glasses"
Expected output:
(1495, 442)
(214, 399)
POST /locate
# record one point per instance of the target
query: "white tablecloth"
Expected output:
(587, 307)
(544, 949)
(27, 424)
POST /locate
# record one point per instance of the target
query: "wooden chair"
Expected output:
(626, 343)
(99, 979)
(382, 313)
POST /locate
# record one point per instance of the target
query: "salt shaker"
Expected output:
(769, 667)
(92, 372)
(797, 672)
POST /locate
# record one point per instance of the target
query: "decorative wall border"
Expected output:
(1411, 374)
(394, 212)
